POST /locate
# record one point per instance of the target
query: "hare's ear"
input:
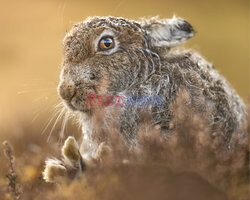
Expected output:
(169, 32)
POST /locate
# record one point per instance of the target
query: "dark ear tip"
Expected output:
(187, 27)
(169, 32)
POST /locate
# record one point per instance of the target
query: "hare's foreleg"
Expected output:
(70, 167)
(73, 164)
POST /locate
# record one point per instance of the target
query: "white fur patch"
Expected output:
(87, 147)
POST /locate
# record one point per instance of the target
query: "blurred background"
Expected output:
(30, 49)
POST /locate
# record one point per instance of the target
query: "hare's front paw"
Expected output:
(70, 167)
(102, 152)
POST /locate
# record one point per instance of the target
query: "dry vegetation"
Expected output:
(188, 165)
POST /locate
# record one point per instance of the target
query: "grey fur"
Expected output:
(144, 65)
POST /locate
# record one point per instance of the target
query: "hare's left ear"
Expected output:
(169, 32)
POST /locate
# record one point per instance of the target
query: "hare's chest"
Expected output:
(87, 146)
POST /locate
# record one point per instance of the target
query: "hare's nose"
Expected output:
(66, 90)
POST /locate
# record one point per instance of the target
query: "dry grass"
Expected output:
(188, 165)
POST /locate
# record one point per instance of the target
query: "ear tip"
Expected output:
(169, 32)
(186, 26)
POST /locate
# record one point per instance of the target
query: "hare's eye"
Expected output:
(106, 43)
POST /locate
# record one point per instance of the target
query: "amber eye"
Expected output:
(106, 43)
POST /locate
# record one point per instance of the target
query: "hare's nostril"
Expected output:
(66, 90)
(92, 76)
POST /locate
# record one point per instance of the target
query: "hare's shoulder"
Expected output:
(186, 59)
(189, 67)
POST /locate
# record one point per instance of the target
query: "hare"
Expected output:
(123, 66)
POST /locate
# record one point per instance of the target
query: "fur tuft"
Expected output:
(53, 170)
(70, 150)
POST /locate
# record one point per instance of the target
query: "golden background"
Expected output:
(30, 46)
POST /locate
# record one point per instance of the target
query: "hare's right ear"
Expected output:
(169, 32)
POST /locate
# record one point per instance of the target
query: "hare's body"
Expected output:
(118, 57)
(209, 94)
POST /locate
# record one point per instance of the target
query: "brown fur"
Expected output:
(142, 63)
(139, 62)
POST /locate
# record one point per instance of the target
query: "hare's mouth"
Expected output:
(77, 105)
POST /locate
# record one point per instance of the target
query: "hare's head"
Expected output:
(101, 53)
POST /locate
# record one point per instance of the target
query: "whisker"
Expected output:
(39, 98)
(35, 117)
(35, 90)
(49, 121)
(64, 123)
(57, 119)
(59, 105)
